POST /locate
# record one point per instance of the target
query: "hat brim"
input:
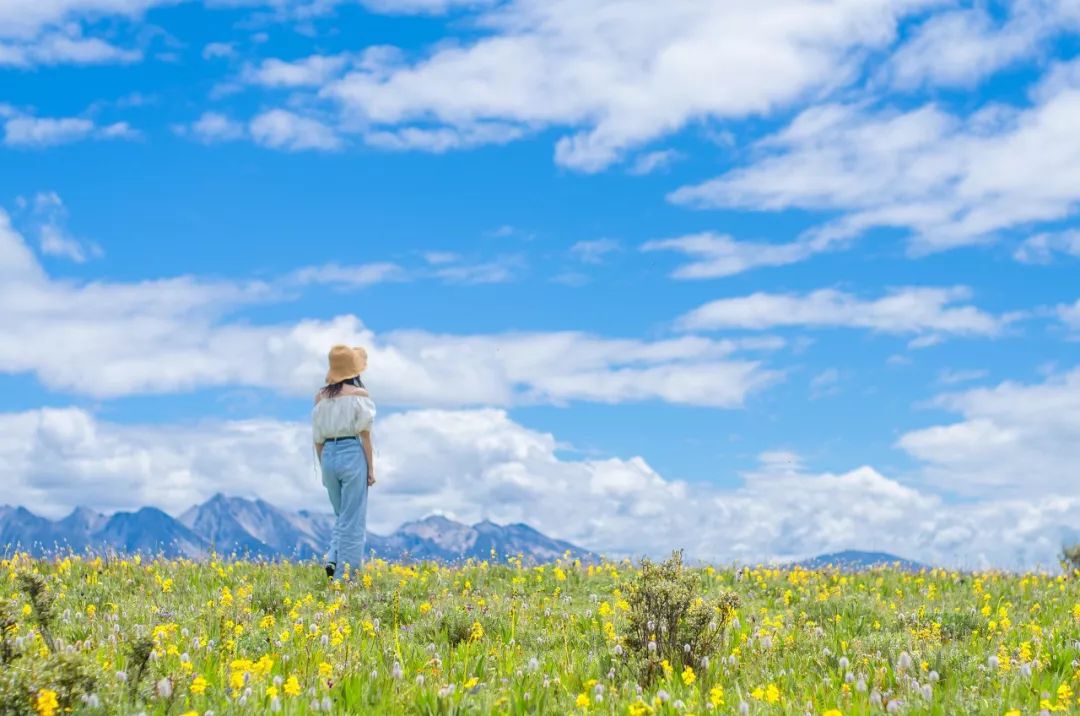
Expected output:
(348, 373)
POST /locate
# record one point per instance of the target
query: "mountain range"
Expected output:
(256, 529)
(854, 561)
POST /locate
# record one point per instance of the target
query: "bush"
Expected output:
(456, 627)
(669, 619)
(68, 675)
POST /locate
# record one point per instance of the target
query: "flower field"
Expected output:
(177, 637)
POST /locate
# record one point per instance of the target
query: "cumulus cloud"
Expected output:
(1041, 248)
(311, 71)
(29, 132)
(1014, 438)
(946, 180)
(167, 335)
(960, 47)
(913, 310)
(57, 48)
(482, 464)
(621, 74)
(50, 33)
(282, 129)
(216, 127)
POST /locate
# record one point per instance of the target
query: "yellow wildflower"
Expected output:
(583, 700)
(688, 676)
(198, 685)
(45, 703)
(292, 687)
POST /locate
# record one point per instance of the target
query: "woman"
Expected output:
(341, 423)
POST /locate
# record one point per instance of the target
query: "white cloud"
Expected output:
(358, 276)
(25, 131)
(50, 216)
(500, 270)
(443, 139)
(1070, 314)
(481, 464)
(825, 383)
(281, 129)
(948, 376)
(34, 33)
(57, 48)
(918, 310)
(624, 73)
(948, 181)
(1014, 439)
(652, 161)
(416, 7)
(215, 127)
(118, 130)
(45, 131)
(961, 47)
(594, 251)
(719, 255)
(1040, 249)
(438, 258)
(167, 335)
(25, 19)
(309, 71)
(215, 50)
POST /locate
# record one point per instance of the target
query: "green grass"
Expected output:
(176, 637)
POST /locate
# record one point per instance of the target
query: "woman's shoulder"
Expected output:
(348, 392)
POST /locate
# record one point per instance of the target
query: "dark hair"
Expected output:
(334, 389)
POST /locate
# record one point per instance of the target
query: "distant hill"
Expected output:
(257, 529)
(853, 561)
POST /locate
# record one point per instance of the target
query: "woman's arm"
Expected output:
(318, 451)
(365, 438)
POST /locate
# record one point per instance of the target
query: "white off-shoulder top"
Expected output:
(342, 416)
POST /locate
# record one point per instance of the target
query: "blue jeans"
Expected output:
(344, 473)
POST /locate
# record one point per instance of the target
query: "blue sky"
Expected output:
(773, 281)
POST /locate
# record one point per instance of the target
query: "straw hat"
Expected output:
(345, 363)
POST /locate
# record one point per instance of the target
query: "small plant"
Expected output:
(41, 603)
(1070, 558)
(8, 625)
(457, 627)
(670, 621)
(141, 650)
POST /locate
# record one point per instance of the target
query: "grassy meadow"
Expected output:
(88, 635)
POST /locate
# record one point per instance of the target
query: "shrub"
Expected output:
(456, 627)
(68, 675)
(669, 619)
(42, 603)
